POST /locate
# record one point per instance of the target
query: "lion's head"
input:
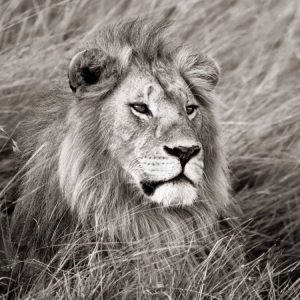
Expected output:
(146, 107)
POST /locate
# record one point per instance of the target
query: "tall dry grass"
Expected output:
(257, 44)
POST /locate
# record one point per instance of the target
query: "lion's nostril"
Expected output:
(183, 153)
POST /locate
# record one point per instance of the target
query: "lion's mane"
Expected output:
(88, 195)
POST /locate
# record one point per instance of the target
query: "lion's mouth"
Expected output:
(149, 187)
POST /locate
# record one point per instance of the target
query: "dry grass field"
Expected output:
(257, 44)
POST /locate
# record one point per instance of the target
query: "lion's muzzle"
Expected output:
(172, 174)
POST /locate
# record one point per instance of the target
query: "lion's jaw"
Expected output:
(144, 143)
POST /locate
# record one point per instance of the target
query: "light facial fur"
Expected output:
(141, 139)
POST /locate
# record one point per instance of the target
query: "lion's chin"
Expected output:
(175, 194)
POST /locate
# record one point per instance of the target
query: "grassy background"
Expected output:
(257, 44)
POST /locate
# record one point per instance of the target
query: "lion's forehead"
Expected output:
(159, 89)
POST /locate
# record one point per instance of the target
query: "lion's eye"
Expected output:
(190, 109)
(140, 108)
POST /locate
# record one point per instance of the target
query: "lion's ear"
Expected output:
(198, 69)
(86, 67)
(213, 71)
(205, 69)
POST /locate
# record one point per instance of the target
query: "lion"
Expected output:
(126, 145)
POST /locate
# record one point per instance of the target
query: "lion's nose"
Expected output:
(183, 153)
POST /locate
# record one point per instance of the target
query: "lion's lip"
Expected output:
(150, 186)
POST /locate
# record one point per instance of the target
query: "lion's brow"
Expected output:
(151, 87)
(140, 94)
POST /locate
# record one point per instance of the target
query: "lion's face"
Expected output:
(153, 117)
(155, 138)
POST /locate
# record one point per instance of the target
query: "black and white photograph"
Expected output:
(150, 149)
